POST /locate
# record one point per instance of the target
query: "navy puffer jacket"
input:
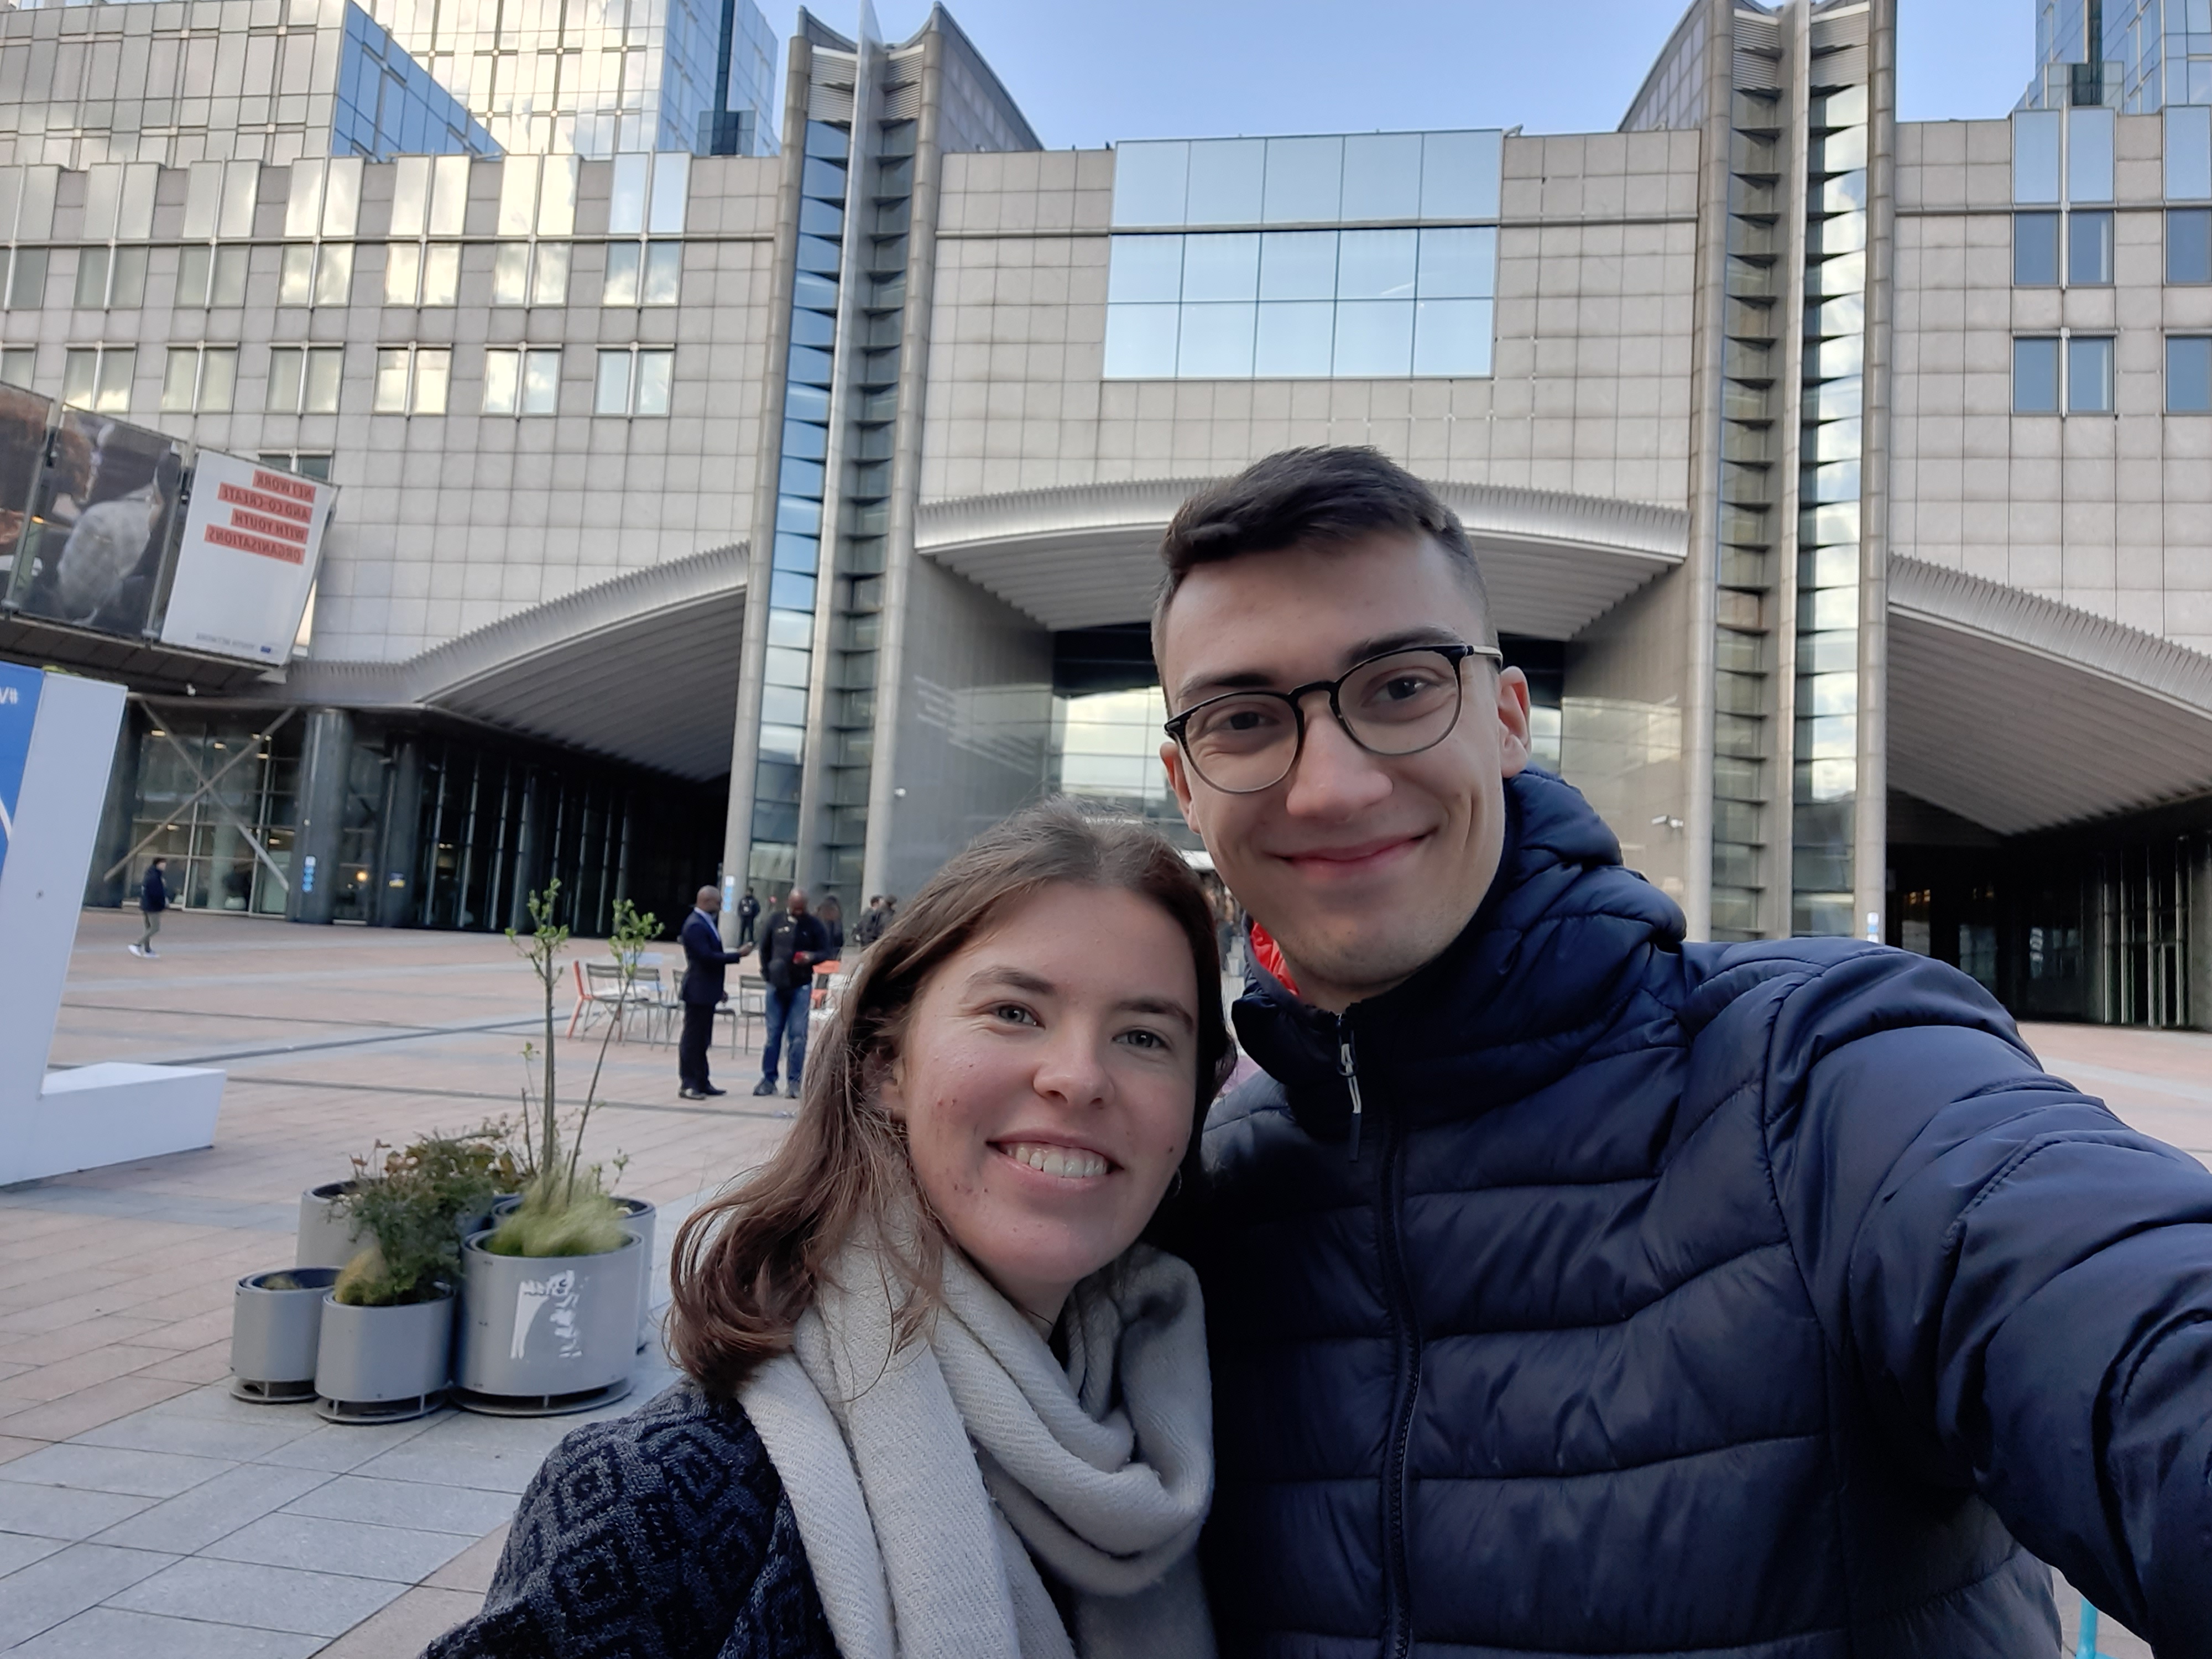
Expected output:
(1691, 1299)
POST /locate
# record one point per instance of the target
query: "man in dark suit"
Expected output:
(704, 959)
(793, 942)
(748, 913)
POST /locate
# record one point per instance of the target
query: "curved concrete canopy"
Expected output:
(2021, 713)
(1088, 555)
(642, 668)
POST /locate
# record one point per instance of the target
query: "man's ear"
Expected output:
(1179, 780)
(1514, 749)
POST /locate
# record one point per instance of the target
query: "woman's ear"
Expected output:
(888, 1072)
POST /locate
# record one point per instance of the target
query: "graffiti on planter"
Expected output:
(556, 1298)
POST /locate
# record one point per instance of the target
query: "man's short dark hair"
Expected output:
(1322, 496)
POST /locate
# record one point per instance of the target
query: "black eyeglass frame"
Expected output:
(1456, 654)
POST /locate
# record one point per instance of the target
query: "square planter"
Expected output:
(542, 1335)
(274, 1329)
(383, 1365)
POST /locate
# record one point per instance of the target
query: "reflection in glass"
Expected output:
(2189, 374)
(502, 382)
(664, 273)
(2089, 154)
(2089, 249)
(441, 274)
(1459, 175)
(1140, 341)
(1375, 265)
(1458, 264)
(1226, 178)
(610, 393)
(2089, 375)
(1833, 441)
(620, 288)
(510, 274)
(1294, 340)
(1305, 179)
(1224, 266)
(391, 394)
(541, 382)
(2188, 152)
(2189, 244)
(1297, 264)
(1215, 341)
(1374, 338)
(2035, 250)
(1150, 181)
(1452, 336)
(2035, 155)
(1382, 176)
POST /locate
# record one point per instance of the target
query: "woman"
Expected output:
(941, 1402)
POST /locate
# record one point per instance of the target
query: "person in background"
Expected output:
(793, 942)
(748, 913)
(868, 926)
(152, 899)
(832, 917)
(704, 959)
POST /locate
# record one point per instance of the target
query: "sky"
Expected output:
(1088, 72)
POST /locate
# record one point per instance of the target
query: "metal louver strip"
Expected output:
(1846, 66)
(1756, 71)
(831, 104)
(902, 103)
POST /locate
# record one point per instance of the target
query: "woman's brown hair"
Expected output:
(747, 1264)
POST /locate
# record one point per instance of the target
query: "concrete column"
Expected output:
(118, 814)
(533, 853)
(2197, 965)
(325, 756)
(394, 900)
(1870, 820)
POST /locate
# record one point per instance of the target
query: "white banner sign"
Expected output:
(253, 536)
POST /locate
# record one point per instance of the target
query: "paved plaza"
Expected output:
(144, 1512)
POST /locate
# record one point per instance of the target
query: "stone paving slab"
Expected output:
(144, 1510)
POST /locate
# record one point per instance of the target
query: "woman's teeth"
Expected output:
(1069, 1163)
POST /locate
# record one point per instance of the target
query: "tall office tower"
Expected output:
(209, 82)
(2137, 56)
(590, 78)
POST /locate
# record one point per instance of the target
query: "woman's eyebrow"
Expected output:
(1165, 1006)
(1019, 979)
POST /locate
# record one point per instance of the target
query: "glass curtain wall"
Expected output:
(209, 835)
(802, 488)
(1824, 787)
(1744, 649)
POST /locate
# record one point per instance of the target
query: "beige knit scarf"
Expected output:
(931, 1483)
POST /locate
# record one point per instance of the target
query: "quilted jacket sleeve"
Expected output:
(2022, 1284)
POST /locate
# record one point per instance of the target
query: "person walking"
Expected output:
(1577, 1287)
(748, 913)
(868, 926)
(704, 961)
(793, 942)
(152, 899)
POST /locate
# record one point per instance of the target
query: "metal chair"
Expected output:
(599, 994)
(750, 1003)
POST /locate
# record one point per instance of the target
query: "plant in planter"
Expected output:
(387, 1334)
(552, 1295)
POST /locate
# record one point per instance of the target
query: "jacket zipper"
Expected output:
(1351, 1075)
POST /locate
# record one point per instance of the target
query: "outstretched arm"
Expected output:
(2023, 1282)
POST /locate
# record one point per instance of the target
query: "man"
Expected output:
(152, 899)
(704, 959)
(868, 926)
(748, 913)
(794, 942)
(1575, 1290)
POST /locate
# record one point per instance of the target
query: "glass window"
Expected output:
(2035, 250)
(656, 374)
(1140, 341)
(192, 264)
(1145, 269)
(1459, 175)
(611, 394)
(285, 366)
(295, 280)
(2035, 376)
(92, 279)
(2088, 249)
(390, 397)
(410, 195)
(1294, 339)
(510, 274)
(433, 373)
(27, 279)
(1216, 343)
(1382, 175)
(2188, 152)
(626, 209)
(620, 288)
(441, 274)
(1376, 265)
(541, 382)
(817, 218)
(1458, 264)
(549, 280)
(17, 363)
(2035, 155)
(502, 382)
(229, 285)
(2189, 244)
(1150, 183)
(2189, 374)
(818, 254)
(403, 273)
(126, 281)
(2089, 375)
(326, 368)
(2088, 154)
(1297, 264)
(813, 328)
(112, 394)
(1226, 181)
(1305, 180)
(1844, 150)
(664, 273)
(672, 185)
(1221, 267)
(1374, 338)
(180, 380)
(334, 273)
(1452, 336)
(80, 376)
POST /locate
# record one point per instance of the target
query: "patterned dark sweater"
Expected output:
(663, 1534)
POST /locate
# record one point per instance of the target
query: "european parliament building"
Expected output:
(782, 502)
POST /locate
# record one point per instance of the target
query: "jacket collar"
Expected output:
(1549, 962)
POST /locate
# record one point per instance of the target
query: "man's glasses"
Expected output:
(1398, 703)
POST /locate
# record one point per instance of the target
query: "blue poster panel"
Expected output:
(19, 708)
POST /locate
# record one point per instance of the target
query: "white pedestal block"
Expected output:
(114, 1112)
